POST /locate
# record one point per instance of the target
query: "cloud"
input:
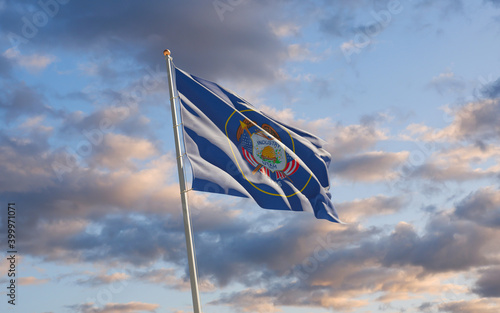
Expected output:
(126, 189)
(322, 88)
(300, 52)
(31, 280)
(241, 47)
(447, 83)
(400, 266)
(118, 151)
(474, 121)
(488, 284)
(22, 159)
(250, 256)
(492, 90)
(482, 206)
(348, 144)
(453, 171)
(33, 62)
(447, 246)
(130, 307)
(168, 278)
(341, 20)
(124, 118)
(103, 279)
(340, 140)
(19, 99)
(249, 301)
(471, 306)
(362, 208)
(285, 30)
(480, 120)
(268, 301)
(110, 213)
(343, 288)
(352, 139)
(442, 162)
(370, 166)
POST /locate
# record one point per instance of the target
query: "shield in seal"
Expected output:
(267, 152)
(263, 150)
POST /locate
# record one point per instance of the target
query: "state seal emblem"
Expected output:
(262, 149)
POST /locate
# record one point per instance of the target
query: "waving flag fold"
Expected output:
(235, 149)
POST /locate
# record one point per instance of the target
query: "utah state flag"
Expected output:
(238, 150)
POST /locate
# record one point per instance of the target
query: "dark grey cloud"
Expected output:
(19, 99)
(480, 121)
(349, 259)
(492, 90)
(377, 264)
(477, 122)
(122, 239)
(241, 46)
(426, 306)
(482, 206)
(447, 245)
(488, 284)
(251, 257)
(20, 157)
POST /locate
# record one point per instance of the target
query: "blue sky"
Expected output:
(406, 95)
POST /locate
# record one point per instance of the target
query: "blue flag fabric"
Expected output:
(235, 149)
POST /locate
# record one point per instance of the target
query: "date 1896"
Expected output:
(11, 252)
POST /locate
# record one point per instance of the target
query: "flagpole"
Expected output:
(193, 275)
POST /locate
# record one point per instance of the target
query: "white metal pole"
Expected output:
(193, 272)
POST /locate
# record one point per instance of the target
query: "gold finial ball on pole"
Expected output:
(166, 52)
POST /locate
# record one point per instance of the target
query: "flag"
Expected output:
(235, 149)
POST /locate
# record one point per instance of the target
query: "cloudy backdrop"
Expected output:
(406, 94)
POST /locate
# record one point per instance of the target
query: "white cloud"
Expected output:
(130, 307)
(447, 82)
(117, 151)
(479, 120)
(31, 280)
(33, 62)
(285, 30)
(301, 52)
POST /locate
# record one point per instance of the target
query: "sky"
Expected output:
(406, 95)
